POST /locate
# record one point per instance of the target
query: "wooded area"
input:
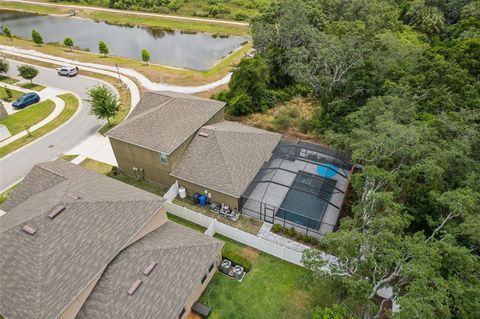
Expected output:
(397, 86)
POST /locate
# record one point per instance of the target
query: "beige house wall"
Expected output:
(192, 188)
(197, 292)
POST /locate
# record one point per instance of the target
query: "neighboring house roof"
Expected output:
(42, 274)
(183, 257)
(228, 158)
(162, 121)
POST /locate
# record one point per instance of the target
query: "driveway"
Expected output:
(81, 126)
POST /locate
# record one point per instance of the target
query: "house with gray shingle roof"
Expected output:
(172, 136)
(78, 244)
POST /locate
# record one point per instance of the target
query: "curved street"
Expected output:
(81, 126)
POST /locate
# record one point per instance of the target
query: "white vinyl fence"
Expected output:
(213, 226)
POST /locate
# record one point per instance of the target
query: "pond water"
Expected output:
(198, 51)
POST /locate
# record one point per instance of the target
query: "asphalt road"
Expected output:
(82, 125)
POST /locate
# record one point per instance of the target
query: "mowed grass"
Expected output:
(8, 80)
(186, 223)
(270, 290)
(132, 19)
(71, 106)
(155, 72)
(32, 86)
(15, 94)
(28, 117)
(97, 167)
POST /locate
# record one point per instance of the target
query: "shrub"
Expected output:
(114, 171)
(240, 16)
(283, 121)
(237, 259)
(9, 93)
(291, 232)
(276, 228)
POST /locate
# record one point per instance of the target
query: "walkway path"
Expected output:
(139, 13)
(111, 70)
(45, 94)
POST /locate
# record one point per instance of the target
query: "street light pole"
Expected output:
(119, 77)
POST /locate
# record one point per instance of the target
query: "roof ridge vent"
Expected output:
(134, 287)
(29, 230)
(149, 269)
(56, 210)
(73, 196)
(203, 134)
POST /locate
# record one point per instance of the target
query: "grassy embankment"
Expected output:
(155, 72)
(125, 18)
(71, 106)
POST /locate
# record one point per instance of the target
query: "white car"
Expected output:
(68, 70)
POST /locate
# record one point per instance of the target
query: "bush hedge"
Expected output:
(237, 259)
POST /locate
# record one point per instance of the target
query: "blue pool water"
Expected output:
(327, 170)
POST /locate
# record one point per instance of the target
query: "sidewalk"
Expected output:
(45, 94)
(112, 71)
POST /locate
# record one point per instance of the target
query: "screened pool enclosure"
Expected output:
(303, 186)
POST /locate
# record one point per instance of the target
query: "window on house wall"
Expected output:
(181, 313)
(211, 267)
(163, 158)
(204, 278)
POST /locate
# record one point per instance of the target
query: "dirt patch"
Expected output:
(301, 298)
(250, 253)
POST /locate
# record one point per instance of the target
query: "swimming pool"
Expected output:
(327, 170)
(307, 200)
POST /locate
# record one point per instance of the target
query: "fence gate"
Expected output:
(268, 212)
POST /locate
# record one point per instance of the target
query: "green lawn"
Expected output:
(186, 223)
(141, 183)
(32, 86)
(28, 116)
(97, 167)
(6, 79)
(15, 94)
(270, 290)
(71, 106)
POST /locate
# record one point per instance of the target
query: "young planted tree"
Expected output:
(104, 104)
(27, 72)
(145, 56)
(68, 42)
(4, 66)
(102, 48)
(7, 32)
(37, 37)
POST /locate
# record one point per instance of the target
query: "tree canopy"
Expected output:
(37, 37)
(397, 86)
(103, 102)
(27, 72)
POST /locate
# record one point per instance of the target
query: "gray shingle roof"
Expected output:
(228, 159)
(183, 258)
(162, 121)
(42, 274)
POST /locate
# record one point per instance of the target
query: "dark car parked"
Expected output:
(26, 100)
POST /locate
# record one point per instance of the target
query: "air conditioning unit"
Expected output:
(238, 272)
(226, 266)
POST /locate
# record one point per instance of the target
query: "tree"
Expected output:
(37, 37)
(7, 32)
(27, 72)
(145, 56)
(102, 48)
(68, 42)
(335, 312)
(248, 86)
(427, 19)
(104, 104)
(4, 66)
